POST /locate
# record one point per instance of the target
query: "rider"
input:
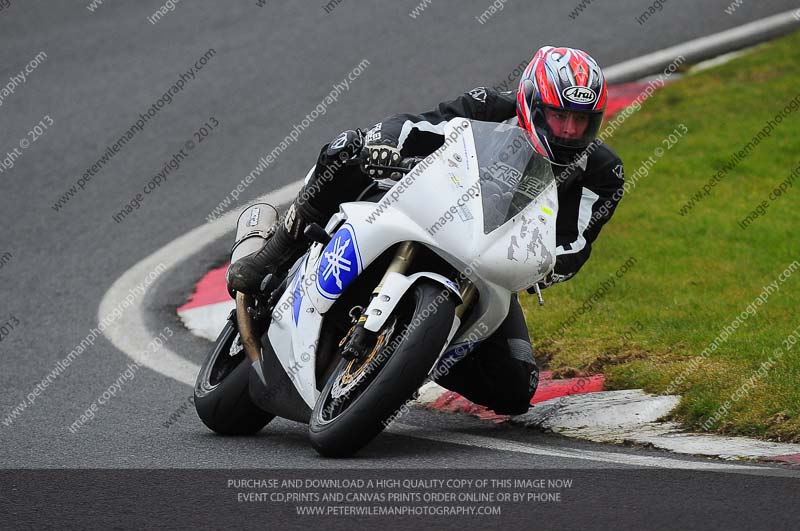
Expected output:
(560, 102)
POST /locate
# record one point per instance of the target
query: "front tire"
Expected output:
(361, 396)
(222, 391)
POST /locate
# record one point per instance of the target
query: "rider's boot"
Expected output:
(280, 251)
(288, 242)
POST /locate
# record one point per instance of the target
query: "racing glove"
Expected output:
(377, 157)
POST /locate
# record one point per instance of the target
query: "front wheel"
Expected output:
(362, 395)
(222, 391)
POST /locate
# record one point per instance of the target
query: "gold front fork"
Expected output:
(400, 263)
(468, 292)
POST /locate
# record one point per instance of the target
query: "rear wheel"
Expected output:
(362, 395)
(222, 391)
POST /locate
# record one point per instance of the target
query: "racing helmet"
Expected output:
(561, 101)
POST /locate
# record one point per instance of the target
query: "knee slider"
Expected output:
(516, 397)
(511, 405)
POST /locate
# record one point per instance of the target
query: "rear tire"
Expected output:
(365, 399)
(222, 391)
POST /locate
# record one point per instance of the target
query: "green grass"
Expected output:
(695, 273)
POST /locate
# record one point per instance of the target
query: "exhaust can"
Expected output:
(256, 223)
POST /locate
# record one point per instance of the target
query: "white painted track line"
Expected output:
(617, 458)
(704, 47)
(207, 321)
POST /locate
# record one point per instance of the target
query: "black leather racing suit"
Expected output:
(500, 372)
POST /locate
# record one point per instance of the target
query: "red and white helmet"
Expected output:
(562, 84)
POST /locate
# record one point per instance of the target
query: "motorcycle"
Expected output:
(395, 289)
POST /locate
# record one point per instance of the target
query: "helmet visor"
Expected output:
(567, 128)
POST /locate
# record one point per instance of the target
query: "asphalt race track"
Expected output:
(263, 69)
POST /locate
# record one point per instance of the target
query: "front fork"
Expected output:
(401, 264)
(358, 341)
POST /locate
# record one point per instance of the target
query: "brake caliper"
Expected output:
(356, 344)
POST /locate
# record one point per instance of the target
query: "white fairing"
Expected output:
(439, 204)
(294, 333)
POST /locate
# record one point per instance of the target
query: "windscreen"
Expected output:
(512, 174)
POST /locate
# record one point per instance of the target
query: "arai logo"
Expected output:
(577, 94)
(254, 214)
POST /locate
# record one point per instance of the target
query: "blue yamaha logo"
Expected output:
(297, 294)
(340, 264)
